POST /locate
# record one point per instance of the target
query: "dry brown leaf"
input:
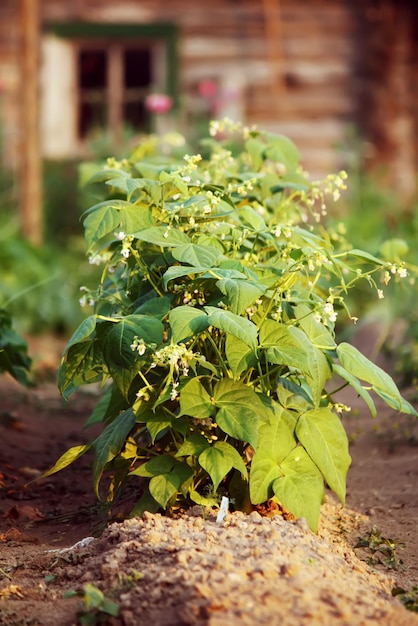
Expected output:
(13, 534)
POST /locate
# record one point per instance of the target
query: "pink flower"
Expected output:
(207, 89)
(158, 103)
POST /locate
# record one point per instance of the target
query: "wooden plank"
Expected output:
(30, 173)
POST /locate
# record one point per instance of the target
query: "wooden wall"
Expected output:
(287, 65)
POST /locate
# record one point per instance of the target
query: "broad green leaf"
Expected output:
(202, 500)
(107, 174)
(239, 327)
(319, 334)
(394, 250)
(102, 219)
(178, 271)
(187, 322)
(240, 410)
(71, 455)
(240, 356)
(156, 423)
(264, 471)
(251, 218)
(161, 464)
(356, 385)
(361, 254)
(219, 459)
(405, 406)
(83, 332)
(164, 487)
(291, 180)
(195, 400)
(282, 150)
(109, 443)
(197, 256)
(108, 407)
(108, 217)
(318, 369)
(282, 347)
(301, 488)
(193, 445)
(118, 336)
(163, 236)
(322, 435)
(83, 364)
(276, 438)
(255, 148)
(360, 366)
(155, 307)
(126, 185)
(241, 293)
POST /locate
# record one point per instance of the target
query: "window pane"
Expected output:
(135, 116)
(92, 116)
(92, 69)
(137, 67)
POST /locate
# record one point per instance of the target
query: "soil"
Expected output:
(193, 570)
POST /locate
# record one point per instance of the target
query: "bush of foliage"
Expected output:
(212, 330)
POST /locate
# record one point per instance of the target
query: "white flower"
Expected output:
(120, 235)
(125, 253)
(380, 294)
(402, 272)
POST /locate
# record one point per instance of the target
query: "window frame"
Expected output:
(160, 37)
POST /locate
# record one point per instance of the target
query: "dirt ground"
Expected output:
(246, 570)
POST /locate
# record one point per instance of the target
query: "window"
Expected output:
(110, 71)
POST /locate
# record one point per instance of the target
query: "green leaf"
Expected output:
(360, 366)
(83, 364)
(110, 405)
(176, 271)
(195, 255)
(155, 307)
(109, 443)
(71, 455)
(276, 438)
(357, 386)
(301, 488)
(319, 334)
(318, 369)
(187, 322)
(394, 250)
(108, 217)
(161, 464)
(264, 471)
(322, 435)
(405, 406)
(282, 347)
(126, 185)
(251, 218)
(275, 441)
(240, 356)
(193, 446)
(240, 410)
(83, 333)
(219, 459)
(165, 486)
(239, 327)
(163, 236)
(255, 148)
(361, 254)
(202, 500)
(241, 293)
(195, 400)
(282, 150)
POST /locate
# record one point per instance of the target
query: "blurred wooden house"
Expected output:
(320, 71)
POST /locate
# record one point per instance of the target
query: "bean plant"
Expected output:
(212, 330)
